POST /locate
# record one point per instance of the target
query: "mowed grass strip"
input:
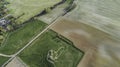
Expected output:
(20, 37)
(25, 9)
(3, 60)
(36, 54)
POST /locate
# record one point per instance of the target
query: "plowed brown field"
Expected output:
(90, 40)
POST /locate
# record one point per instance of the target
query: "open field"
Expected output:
(104, 16)
(99, 47)
(25, 9)
(18, 38)
(36, 55)
(3, 60)
(76, 32)
(101, 14)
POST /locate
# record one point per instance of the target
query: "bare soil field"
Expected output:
(79, 33)
(16, 62)
(92, 41)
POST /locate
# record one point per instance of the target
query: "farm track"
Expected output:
(6, 55)
(28, 44)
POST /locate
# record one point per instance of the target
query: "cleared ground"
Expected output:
(3, 60)
(18, 38)
(100, 49)
(25, 9)
(36, 55)
(79, 33)
(16, 62)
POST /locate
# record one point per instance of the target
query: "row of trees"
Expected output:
(3, 12)
(3, 9)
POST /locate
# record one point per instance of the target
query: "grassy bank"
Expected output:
(20, 37)
(36, 55)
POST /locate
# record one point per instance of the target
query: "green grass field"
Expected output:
(25, 9)
(36, 55)
(20, 37)
(3, 60)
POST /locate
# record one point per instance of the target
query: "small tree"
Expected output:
(48, 9)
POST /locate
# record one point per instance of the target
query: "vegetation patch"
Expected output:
(20, 37)
(3, 60)
(23, 10)
(49, 50)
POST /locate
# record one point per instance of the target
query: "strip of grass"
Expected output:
(36, 54)
(3, 60)
(19, 38)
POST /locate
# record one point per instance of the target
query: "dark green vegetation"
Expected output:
(3, 10)
(20, 37)
(3, 60)
(69, 1)
(36, 54)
